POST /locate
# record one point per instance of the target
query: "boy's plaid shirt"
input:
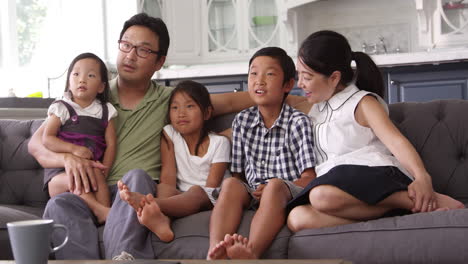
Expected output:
(284, 151)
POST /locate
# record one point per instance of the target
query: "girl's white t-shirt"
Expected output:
(93, 110)
(194, 170)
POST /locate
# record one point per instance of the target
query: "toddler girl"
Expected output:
(81, 124)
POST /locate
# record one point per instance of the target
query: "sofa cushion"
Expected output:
(18, 213)
(22, 187)
(21, 176)
(436, 237)
(11, 214)
(192, 238)
(438, 131)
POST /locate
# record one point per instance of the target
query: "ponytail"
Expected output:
(368, 75)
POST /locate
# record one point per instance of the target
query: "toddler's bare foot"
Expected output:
(444, 201)
(101, 214)
(152, 217)
(134, 199)
(99, 210)
(237, 247)
(218, 252)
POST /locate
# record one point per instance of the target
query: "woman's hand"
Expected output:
(422, 194)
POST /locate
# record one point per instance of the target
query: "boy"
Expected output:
(273, 150)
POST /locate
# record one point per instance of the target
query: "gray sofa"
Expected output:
(438, 130)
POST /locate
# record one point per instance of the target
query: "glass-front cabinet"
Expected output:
(451, 22)
(213, 31)
(239, 27)
(443, 23)
(221, 26)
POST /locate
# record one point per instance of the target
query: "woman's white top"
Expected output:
(340, 139)
(194, 170)
(93, 110)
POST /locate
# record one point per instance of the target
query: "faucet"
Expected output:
(364, 47)
(369, 48)
(382, 44)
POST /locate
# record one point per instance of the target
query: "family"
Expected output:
(134, 154)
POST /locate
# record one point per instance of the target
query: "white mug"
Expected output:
(30, 240)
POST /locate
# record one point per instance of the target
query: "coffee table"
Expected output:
(199, 261)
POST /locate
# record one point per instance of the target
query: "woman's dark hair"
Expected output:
(104, 96)
(286, 63)
(155, 24)
(328, 51)
(201, 96)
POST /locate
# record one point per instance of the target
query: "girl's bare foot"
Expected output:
(150, 215)
(218, 252)
(134, 199)
(237, 247)
(444, 201)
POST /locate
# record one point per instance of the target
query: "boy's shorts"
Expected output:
(213, 193)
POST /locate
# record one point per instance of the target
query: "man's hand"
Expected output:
(82, 152)
(80, 173)
(422, 194)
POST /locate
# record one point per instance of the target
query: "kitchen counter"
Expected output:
(423, 57)
(435, 56)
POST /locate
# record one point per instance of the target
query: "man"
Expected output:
(142, 107)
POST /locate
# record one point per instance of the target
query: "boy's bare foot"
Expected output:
(444, 201)
(237, 247)
(134, 199)
(150, 215)
(218, 252)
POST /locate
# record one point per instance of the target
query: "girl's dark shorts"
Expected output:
(368, 184)
(48, 175)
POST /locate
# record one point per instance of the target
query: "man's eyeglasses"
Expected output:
(141, 52)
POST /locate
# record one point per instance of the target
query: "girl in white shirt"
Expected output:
(194, 162)
(358, 178)
(81, 124)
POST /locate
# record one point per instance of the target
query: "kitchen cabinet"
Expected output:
(236, 29)
(222, 84)
(442, 23)
(409, 83)
(183, 20)
(212, 31)
(218, 84)
(427, 82)
(297, 3)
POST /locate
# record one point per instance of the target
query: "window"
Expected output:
(39, 38)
